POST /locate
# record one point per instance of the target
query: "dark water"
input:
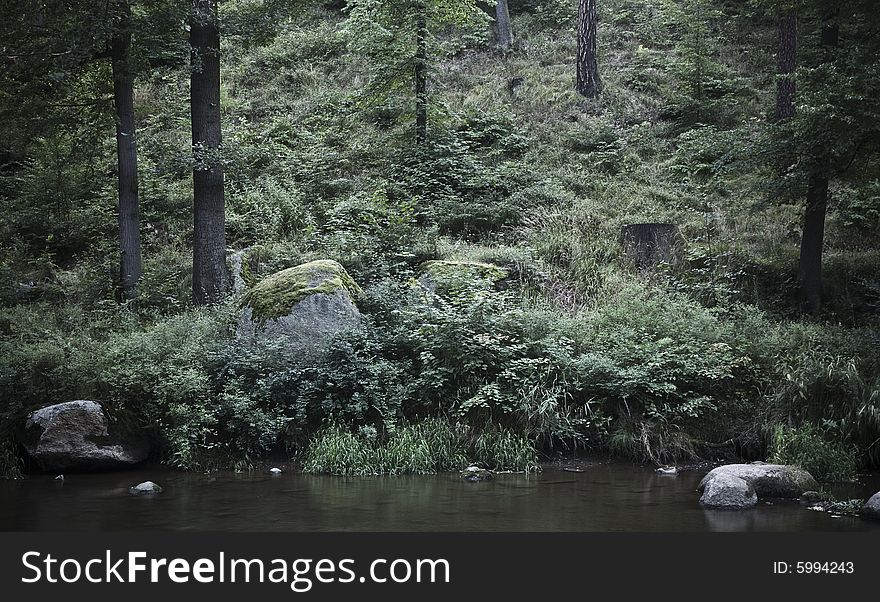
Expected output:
(605, 497)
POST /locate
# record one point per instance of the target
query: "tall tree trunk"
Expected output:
(210, 274)
(813, 236)
(786, 60)
(589, 83)
(505, 31)
(421, 75)
(126, 153)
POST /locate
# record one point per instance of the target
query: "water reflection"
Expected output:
(609, 497)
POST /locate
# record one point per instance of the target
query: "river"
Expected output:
(604, 497)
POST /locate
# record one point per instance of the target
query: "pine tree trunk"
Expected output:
(126, 152)
(813, 236)
(812, 241)
(421, 76)
(786, 60)
(210, 274)
(505, 31)
(589, 83)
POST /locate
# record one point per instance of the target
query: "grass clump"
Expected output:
(428, 447)
(805, 446)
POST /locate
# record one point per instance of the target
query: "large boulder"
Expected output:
(310, 302)
(455, 278)
(768, 480)
(729, 492)
(871, 509)
(76, 435)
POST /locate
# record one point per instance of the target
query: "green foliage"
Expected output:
(806, 447)
(434, 445)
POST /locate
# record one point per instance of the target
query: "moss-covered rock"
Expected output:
(311, 301)
(448, 277)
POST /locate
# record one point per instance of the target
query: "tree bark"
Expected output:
(421, 76)
(786, 60)
(131, 266)
(589, 83)
(812, 242)
(502, 20)
(210, 274)
(813, 236)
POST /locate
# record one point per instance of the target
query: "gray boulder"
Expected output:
(308, 303)
(871, 509)
(768, 480)
(727, 491)
(76, 435)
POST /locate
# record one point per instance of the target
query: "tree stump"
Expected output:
(648, 245)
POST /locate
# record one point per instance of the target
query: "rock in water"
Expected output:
(475, 473)
(145, 488)
(308, 303)
(768, 480)
(275, 471)
(76, 435)
(729, 492)
(871, 509)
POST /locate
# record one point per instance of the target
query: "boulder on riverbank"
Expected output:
(768, 480)
(310, 302)
(871, 509)
(456, 278)
(76, 435)
(729, 492)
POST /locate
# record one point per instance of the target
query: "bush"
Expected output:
(431, 446)
(806, 447)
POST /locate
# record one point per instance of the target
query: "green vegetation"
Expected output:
(431, 446)
(560, 345)
(805, 447)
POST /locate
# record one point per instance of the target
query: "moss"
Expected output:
(450, 276)
(274, 296)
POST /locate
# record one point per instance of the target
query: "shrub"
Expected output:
(806, 447)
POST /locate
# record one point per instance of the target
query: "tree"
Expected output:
(210, 274)
(589, 83)
(813, 236)
(126, 151)
(502, 21)
(396, 38)
(786, 60)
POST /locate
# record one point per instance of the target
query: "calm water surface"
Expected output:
(605, 497)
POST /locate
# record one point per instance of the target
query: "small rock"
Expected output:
(810, 498)
(59, 477)
(145, 488)
(475, 473)
(668, 471)
(275, 470)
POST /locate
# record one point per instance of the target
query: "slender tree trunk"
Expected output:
(505, 31)
(786, 60)
(589, 83)
(126, 153)
(421, 76)
(813, 237)
(210, 274)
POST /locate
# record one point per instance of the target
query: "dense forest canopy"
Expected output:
(159, 160)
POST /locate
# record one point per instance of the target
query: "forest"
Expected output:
(403, 236)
